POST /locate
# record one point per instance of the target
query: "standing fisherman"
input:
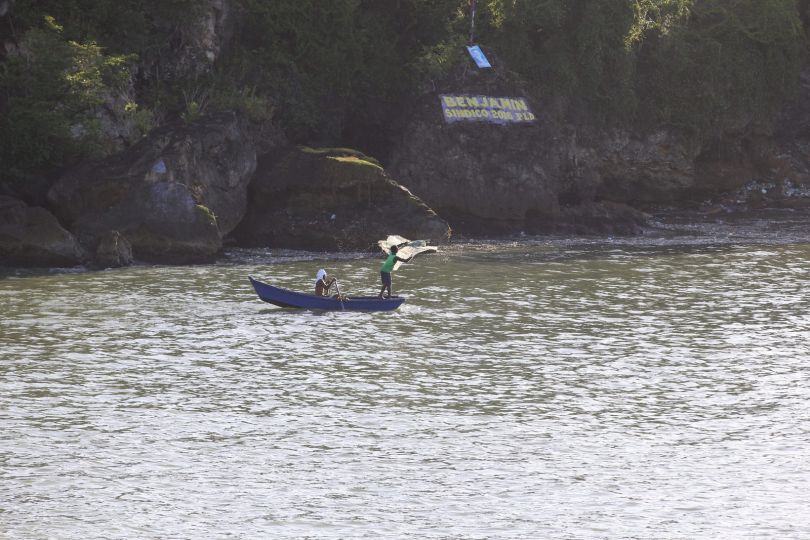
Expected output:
(386, 269)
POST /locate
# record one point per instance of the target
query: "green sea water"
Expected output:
(527, 389)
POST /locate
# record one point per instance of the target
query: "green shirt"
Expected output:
(389, 263)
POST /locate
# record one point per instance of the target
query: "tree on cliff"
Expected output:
(48, 89)
(721, 66)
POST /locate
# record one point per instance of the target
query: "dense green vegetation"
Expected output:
(339, 71)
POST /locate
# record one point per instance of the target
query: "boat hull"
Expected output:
(291, 299)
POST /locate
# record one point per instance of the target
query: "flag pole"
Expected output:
(472, 21)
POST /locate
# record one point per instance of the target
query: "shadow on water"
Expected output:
(9, 272)
(282, 312)
(540, 250)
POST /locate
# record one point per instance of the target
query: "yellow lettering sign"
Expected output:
(500, 110)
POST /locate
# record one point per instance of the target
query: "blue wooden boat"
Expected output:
(291, 299)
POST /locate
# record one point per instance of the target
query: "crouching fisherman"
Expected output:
(322, 284)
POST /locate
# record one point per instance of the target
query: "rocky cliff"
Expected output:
(563, 174)
(179, 192)
(545, 176)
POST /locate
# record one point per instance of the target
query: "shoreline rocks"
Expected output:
(32, 236)
(173, 196)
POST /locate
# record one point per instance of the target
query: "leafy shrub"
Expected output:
(340, 71)
(48, 92)
(725, 66)
(143, 118)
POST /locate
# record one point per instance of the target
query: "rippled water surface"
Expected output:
(525, 390)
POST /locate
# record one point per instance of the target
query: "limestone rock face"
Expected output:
(637, 168)
(566, 174)
(331, 200)
(553, 175)
(481, 177)
(31, 236)
(173, 196)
